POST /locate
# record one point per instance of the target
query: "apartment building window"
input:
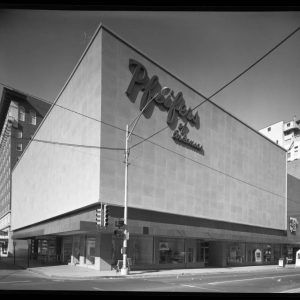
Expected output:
(269, 129)
(19, 147)
(19, 134)
(21, 113)
(33, 117)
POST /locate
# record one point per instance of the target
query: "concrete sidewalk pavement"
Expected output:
(84, 273)
(77, 272)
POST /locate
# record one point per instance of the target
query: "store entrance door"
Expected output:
(117, 244)
(205, 253)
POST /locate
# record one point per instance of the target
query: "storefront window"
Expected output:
(90, 250)
(236, 253)
(140, 250)
(193, 251)
(204, 253)
(67, 249)
(276, 253)
(3, 247)
(170, 251)
(267, 254)
(76, 249)
(42, 247)
(263, 253)
(251, 249)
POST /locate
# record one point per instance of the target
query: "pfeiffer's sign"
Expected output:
(174, 104)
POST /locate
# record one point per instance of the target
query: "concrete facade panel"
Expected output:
(235, 176)
(62, 178)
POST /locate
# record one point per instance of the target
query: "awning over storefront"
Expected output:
(59, 226)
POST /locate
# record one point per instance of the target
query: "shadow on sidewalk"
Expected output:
(22, 263)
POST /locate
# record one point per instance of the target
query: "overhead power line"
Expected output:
(68, 144)
(230, 82)
(206, 98)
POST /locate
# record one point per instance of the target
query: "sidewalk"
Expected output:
(84, 273)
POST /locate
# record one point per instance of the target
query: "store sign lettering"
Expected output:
(166, 99)
(180, 135)
(175, 105)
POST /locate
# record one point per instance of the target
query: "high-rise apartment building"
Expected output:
(287, 135)
(20, 115)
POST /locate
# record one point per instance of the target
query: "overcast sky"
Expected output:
(39, 50)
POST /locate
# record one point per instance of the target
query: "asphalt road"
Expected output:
(275, 281)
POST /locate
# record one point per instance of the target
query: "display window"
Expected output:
(195, 251)
(67, 248)
(235, 253)
(90, 250)
(140, 250)
(76, 249)
(170, 251)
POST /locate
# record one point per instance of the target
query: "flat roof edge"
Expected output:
(184, 83)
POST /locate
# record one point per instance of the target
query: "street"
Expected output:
(285, 280)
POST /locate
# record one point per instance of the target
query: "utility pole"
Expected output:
(124, 270)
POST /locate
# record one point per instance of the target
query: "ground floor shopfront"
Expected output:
(157, 241)
(159, 252)
(3, 245)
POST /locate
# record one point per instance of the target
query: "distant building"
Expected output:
(293, 168)
(293, 213)
(20, 115)
(287, 135)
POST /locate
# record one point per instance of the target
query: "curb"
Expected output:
(147, 275)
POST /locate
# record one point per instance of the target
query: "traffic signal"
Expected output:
(106, 215)
(99, 216)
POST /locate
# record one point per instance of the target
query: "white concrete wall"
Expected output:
(52, 179)
(240, 179)
(275, 134)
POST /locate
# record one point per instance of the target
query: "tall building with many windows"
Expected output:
(287, 135)
(20, 116)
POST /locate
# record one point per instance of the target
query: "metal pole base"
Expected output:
(124, 271)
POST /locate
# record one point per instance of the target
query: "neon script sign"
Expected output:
(175, 105)
(166, 100)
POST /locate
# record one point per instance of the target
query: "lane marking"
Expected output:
(200, 287)
(192, 286)
(15, 281)
(257, 278)
(292, 291)
(96, 288)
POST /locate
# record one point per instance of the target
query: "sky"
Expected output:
(205, 49)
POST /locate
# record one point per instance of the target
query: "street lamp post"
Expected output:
(124, 270)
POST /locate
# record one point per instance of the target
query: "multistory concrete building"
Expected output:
(204, 188)
(20, 115)
(287, 135)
